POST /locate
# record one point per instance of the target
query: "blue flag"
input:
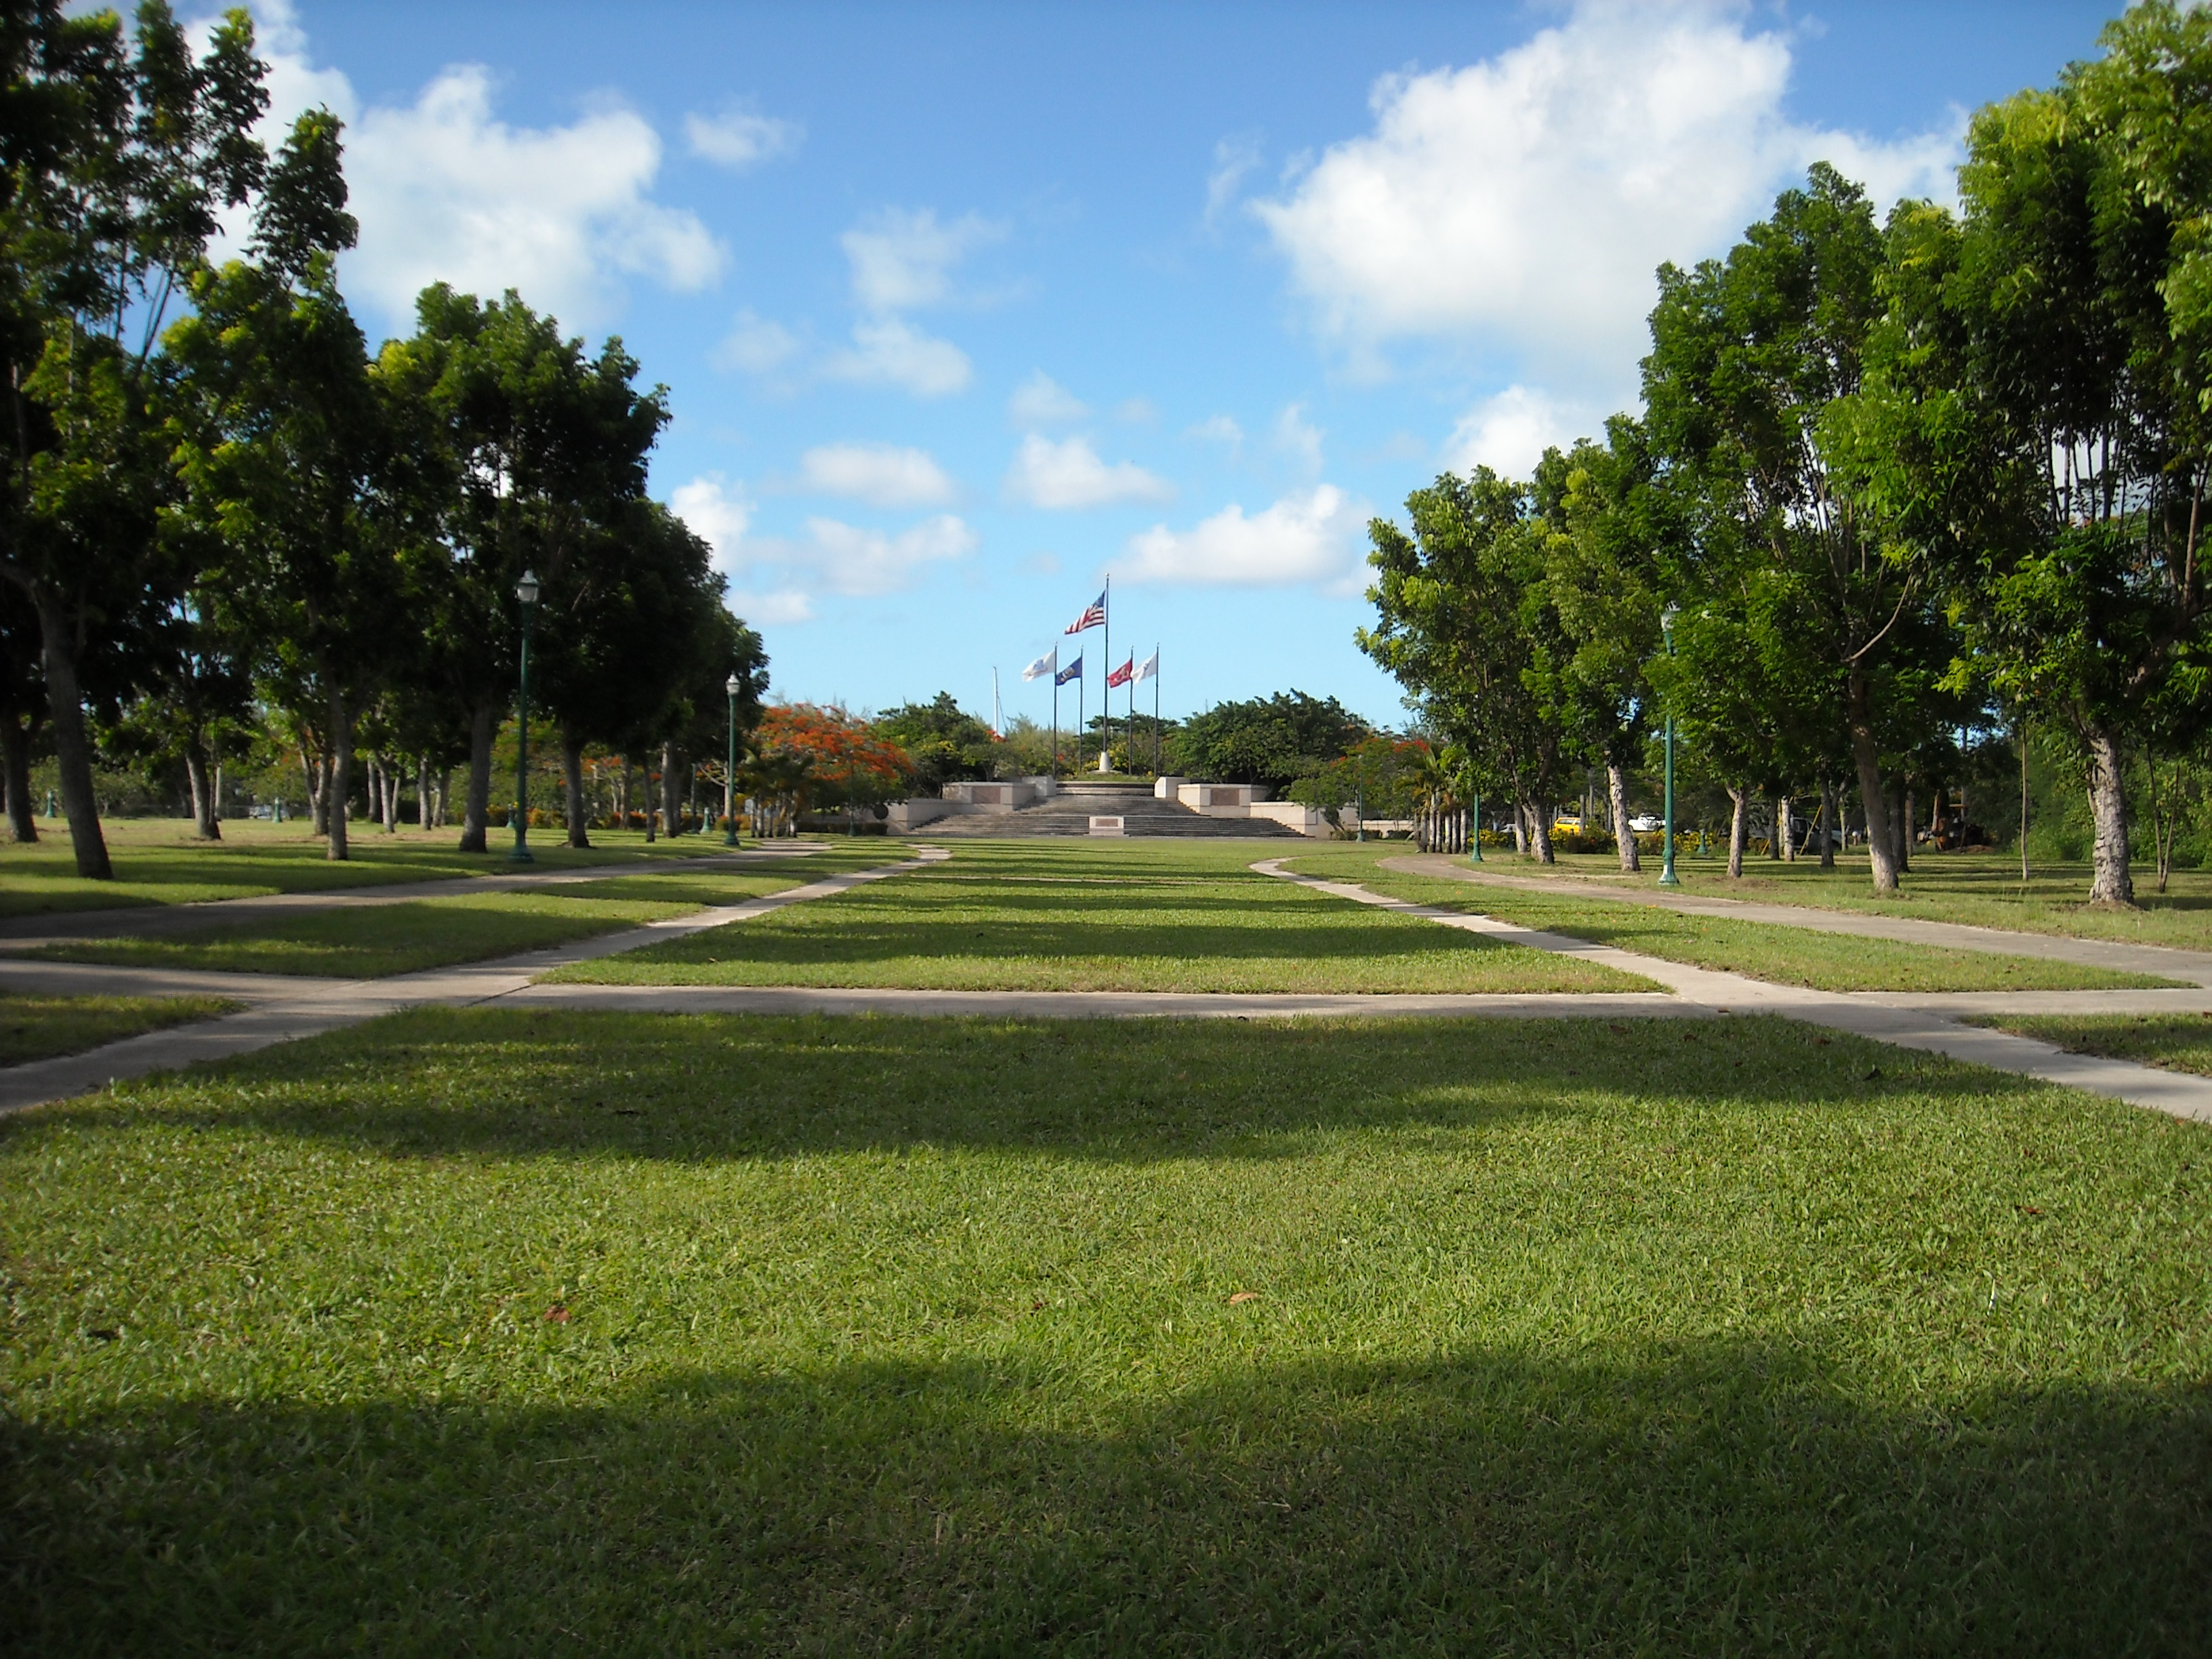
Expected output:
(1073, 672)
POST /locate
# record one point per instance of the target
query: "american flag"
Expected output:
(1094, 615)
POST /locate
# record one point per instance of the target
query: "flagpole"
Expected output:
(1156, 709)
(1106, 693)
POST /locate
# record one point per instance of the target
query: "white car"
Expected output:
(1645, 824)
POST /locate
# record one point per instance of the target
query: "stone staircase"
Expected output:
(1070, 813)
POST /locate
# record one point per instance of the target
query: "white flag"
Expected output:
(1148, 668)
(1047, 664)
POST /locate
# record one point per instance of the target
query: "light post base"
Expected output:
(520, 854)
(1668, 878)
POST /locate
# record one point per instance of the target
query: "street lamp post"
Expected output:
(527, 591)
(1474, 830)
(730, 778)
(1667, 876)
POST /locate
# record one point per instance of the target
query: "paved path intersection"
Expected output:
(284, 1009)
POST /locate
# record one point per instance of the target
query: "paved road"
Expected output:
(153, 921)
(2194, 967)
(286, 1008)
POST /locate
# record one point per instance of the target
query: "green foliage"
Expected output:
(1270, 741)
(945, 744)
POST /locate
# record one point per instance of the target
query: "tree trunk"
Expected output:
(1867, 758)
(319, 791)
(1828, 836)
(1908, 832)
(15, 767)
(1785, 825)
(476, 811)
(72, 752)
(2023, 803)
(1616, 790)
(389, 803)
(671, 791)
(204, 808)
(1739, 830)
(572, 775)
(340, 784)
(2111, 883)
(1521, 829)
(422, 792)
(651, 813)
(1539, 836)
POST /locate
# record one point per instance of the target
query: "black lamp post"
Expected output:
(1667, 876)
(733, 685)
(527, 591)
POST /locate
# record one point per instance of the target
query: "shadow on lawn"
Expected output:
(704, 1088)
(1717, 1499)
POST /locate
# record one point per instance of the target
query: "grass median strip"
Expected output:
(44, 1027)
(157, 861)
(2179, 1043)
(1779, 954)
(373, 941)
(1134, 917)
(863, 1335)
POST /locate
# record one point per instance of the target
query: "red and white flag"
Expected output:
(1120, 676)
(1094, 615)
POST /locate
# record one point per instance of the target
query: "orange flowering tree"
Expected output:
(808, 754)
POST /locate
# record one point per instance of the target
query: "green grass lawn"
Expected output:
(520, 1333)
(1134, 916)
(157, 861)
(41, 1027)
(1983, 890)
(1765, 950)
(371, 941)
(2181, 1043)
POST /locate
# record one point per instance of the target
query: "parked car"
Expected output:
(1645, 824)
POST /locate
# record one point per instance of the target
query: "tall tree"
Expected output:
(1748, 356)
(115, 158)
(543, 452)
(280, 440)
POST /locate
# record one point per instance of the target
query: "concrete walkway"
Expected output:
(153, 920)
(288, 1008)
(2193, 967)
(1929, 1023)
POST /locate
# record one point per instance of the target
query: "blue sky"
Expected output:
(962, 308)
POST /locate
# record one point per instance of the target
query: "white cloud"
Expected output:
(781, 605)
(1509, 432)
(851, 560)
(903, 259)
(1232, 159)
(1312, 536)
(1526, 199)
(1136, 411)
(739, 138)
(888, 351)
(1069, 474)
(444, 190)
(1043, 401)
(881, 474)
(719, 514)
(756, 345)
(1298, 438)
(1220, 429)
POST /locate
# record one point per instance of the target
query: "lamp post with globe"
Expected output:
(527, 591)
(733, 685)
(1667, 876)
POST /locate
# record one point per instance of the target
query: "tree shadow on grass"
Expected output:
(696, 1087)
(1731, 1498)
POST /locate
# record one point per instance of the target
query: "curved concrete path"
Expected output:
(2194, 967)
(1928, 1022)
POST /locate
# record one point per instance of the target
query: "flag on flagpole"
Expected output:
(1094, 615)
(1073, 672)
(1148, 669)
(1121, 676)
(1047, 664)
